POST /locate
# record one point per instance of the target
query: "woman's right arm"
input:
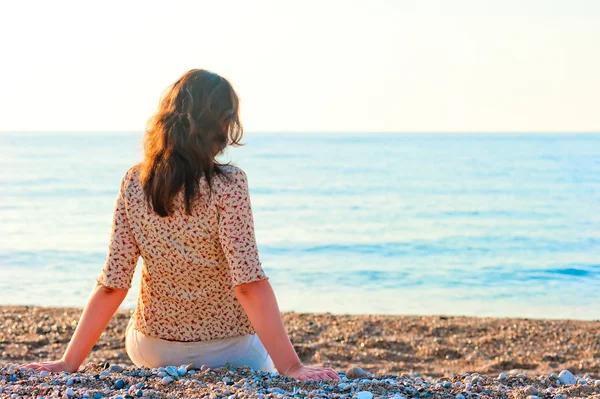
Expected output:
(259, 302)
(251, 285)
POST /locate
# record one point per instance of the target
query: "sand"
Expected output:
(436, 354)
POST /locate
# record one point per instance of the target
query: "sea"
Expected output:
(490, 225)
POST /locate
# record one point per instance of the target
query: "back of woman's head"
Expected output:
(197, 118)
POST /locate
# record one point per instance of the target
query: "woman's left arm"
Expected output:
(112, 286)
(100, 308)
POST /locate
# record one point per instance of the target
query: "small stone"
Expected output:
(182, 371)
(116, 369)
(190, 367)
(529, 390)
(447, 384)
(192, 372)
(231, 396)
(70, 392)
(597, 383)
(98, 395)
(533, 397)
(42, 374)
(69, 382)
(162, 374)
(354, 373)
(204, 368)
(521, 375)
(567, 378)
(364, 395)
(166, 380)
(172, 371)
(276, 390)
(139, 393)
(119, 384)
(460, 396)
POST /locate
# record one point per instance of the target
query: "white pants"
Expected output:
(245, 350)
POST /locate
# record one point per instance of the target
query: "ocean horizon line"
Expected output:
(331, 132)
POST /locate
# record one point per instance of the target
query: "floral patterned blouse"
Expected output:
(190, 263)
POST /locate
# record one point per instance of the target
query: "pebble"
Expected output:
(172, 371)
(70, 392)
(182, 371)
(567, 378)
(98, 395)
(116, 369)
(119, 384)
(364, 395)
(166, 380)
(354, 373)
(42, 374)
(502, 376)
(69, 382)
(460, 396)
(597, 383)
(190, 367)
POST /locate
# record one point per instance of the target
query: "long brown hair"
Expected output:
(197, 118)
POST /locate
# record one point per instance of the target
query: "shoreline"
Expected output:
(433, 346)
(403, 357)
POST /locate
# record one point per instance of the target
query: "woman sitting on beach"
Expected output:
(204, 297)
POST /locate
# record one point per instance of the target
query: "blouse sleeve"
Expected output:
(236, 231)
(123, 250)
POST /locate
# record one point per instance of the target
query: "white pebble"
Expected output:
(166, 380)
(597, 383)
(567, 378)
(502, 376)
(42, 374)
(364, 395)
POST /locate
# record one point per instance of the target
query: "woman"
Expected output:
(204, 297)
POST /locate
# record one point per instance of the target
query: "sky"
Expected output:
(307, 66)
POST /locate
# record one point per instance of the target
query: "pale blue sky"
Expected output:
(409, 66)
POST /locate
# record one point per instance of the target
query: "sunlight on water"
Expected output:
(498, 225)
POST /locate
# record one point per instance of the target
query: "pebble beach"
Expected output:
(376, 357)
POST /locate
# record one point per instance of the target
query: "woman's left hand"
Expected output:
(53, 367)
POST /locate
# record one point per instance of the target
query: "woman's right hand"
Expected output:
(302, 372)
